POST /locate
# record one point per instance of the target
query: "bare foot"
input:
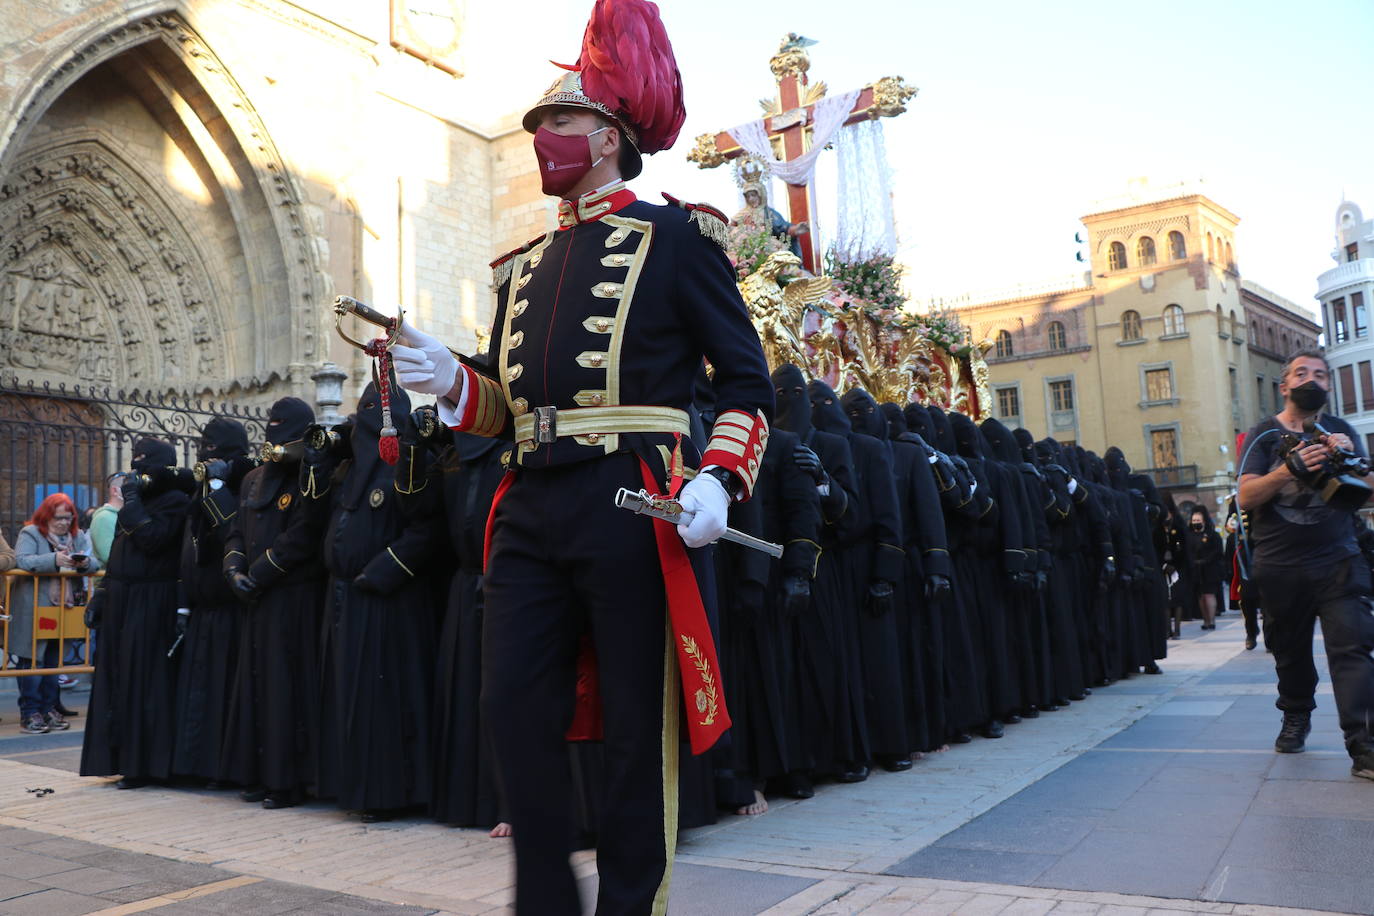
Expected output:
(501, 830)
(760, 805)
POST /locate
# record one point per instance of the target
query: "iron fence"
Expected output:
(70, 439)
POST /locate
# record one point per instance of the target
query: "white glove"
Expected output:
(424, 365)
(707, 500)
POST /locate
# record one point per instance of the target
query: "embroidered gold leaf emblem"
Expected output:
(284, 501)
(707, 695)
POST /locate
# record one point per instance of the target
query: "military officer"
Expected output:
(601, 327)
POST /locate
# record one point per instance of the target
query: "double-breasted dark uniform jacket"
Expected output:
(606, 319)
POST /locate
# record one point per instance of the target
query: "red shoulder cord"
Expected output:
(387, 447)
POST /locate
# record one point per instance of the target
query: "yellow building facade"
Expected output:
(1163, 350)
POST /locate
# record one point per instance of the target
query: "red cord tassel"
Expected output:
(388, 448)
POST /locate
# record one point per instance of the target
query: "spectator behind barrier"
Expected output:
(50, 542)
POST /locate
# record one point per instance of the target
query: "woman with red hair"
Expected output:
(50, 543)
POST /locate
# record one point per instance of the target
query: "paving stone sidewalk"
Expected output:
(879, 847)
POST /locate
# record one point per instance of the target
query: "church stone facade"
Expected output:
(185, 186)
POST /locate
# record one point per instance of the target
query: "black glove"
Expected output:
(131, 488)
(1023, 581)
(183, 620)
(425, 421)
(94, 606)
(796, 595)
(245, 589)
(363, 584)
(937, 588)
(1042, 580)
(810, 462)
(880, 599)
(216, 469)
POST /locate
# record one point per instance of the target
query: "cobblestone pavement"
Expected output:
(1156, 795)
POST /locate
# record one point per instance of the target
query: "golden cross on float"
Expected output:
(789, 122)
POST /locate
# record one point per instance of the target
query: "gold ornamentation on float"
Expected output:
(890, 95)
(779, 312)
(705, 154)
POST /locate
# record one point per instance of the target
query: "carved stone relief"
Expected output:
(99, 279)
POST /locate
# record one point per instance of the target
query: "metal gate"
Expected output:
(70, 439)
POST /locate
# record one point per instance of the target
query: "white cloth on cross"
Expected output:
(829, 116)
(866, 226)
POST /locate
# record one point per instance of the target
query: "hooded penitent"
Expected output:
(223, 438)
(287, 420)
(967, 438)
(864, 416)
(367, 432)
(626, 72)
(1118, 469)
(896, 422)
(918, 421)
(944, 431)
(152, 455)
(1025, 442)
(826, 412)
(792, 406)
(1001, 443)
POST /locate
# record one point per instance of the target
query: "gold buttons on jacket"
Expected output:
(517, 339)
(616, 260)
(513, 372)
(592, 438)
(591, 359)
(590, 398)
(519, 308)
(519, 407)
(536, 258)
(599, 324)
(523, 281)
(616, 237)
(608, 290)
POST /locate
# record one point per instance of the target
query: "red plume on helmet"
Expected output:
(626, 71)
(627, 62)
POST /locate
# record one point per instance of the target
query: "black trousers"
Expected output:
(1293, 598)
(564, 561)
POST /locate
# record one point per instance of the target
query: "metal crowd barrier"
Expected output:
(61, 623)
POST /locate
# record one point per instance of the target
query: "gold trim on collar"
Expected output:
(588, 207)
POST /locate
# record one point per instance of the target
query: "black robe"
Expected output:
(131, 721)
(209, 652)
(274, 718)
(377, 648)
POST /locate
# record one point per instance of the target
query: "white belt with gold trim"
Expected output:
(603, 421)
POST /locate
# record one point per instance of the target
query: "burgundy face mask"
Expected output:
(563, 159)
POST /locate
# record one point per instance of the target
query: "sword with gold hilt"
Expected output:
(347, 305)
(670, 510)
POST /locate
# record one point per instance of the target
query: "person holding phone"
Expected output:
(50, 543)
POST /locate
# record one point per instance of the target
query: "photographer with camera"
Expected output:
(1300, 482)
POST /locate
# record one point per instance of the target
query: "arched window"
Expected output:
(1055, 333)
(1130, 325)
(1177, 249)
(1116, 256)
(1211, 248)
(1286, 347)
(1004, 343)
(1269, 334)
(1173, 320)
(1254, 333)
(1145, 251)
(1235, 328)
(1221, 327)
(1230, 257)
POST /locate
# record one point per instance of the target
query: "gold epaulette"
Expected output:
(501, 267)
(713, 224)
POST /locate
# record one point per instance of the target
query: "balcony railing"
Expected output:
(1347, 274)
(1183, 475)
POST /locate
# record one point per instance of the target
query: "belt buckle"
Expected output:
(546, 425)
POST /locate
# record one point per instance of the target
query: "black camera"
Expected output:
(1339, 482)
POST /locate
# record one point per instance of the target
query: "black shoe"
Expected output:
(1152, 668)
(1062, 702)
(131, 782)
(253, 794)
(376, 816)
(895, 764)
(1362, 762)
(278, 800)
(797, 785)
(960, 738)
(858, 773)
(1012, 719)
(1030, 712)
(1292, 737)
(993, 729)
(1249, 643)
(1079, 697)
(68, 713)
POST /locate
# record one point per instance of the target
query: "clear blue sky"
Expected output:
(1029, 113)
